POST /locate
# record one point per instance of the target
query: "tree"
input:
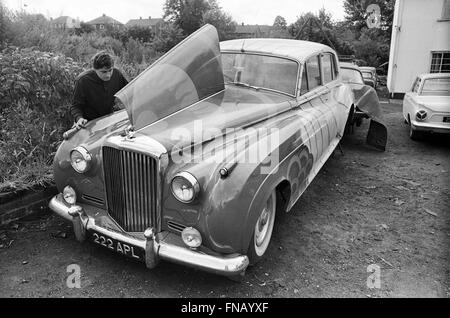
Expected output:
(356, 13)
(319, 28)
(221, 20)
(370, 44)
(169, 36)
(86, 28)
(280, 23)
(143, 34)
(186, 14)
(3, 24)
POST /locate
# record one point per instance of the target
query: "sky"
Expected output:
(242, 11)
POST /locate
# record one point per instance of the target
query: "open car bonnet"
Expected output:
(188, 73)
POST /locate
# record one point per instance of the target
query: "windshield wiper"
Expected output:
(244, 85)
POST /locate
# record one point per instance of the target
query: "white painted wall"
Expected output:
(416, 33)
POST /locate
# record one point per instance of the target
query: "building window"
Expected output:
(446, 10)
(440, 62)
(101, 26)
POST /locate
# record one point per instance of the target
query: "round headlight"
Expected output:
(69, 195)
(80, 159)
(185, 187)
(191, 237)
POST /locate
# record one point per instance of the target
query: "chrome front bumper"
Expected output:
(437, 127)
(164, 245)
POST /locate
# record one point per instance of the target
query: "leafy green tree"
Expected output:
(356, 14)
(223, 22)
(186, 14)
(169, 36)
(319, 28)
(143, 34)
(370, 44)
(3, 22)
(280, 23)
(86, 28)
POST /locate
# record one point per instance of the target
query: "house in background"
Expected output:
(65, 23)
(104, 22)
(252, 31)
(154, 24)
(420, 42)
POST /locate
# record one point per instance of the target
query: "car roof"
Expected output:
(434, 75)
(295, 49)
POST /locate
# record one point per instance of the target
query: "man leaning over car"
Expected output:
(94, 91)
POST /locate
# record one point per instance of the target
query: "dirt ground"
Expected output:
(366, 210)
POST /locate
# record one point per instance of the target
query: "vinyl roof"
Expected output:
(296, 49)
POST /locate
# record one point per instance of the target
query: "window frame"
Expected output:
(416, 85)
(317, 56)
(441, 58)
(332, 65)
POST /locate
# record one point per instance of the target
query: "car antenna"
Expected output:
(242, 48)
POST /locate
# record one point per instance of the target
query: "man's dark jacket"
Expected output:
(93, 97)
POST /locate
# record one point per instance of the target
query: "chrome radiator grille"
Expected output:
(131, 188)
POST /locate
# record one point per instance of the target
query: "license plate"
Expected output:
(446, 119)
(126, 249)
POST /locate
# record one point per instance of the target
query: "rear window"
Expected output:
(367, 74)
(351, 76)
(436, 86)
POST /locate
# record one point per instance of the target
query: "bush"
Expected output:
(35, 94)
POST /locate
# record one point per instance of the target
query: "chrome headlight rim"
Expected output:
(85, 154)
(69, 191)
(193, 182)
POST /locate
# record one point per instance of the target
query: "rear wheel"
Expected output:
(262, 232)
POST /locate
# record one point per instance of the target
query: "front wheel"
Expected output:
(415, 134)
(262, 232)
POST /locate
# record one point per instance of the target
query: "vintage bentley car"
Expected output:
(367, 105)
(213, 140)
(427, 107)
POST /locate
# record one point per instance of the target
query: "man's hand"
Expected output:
(81, 123)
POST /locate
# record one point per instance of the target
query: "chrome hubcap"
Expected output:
(264, 226)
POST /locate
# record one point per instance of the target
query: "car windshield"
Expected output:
(436, 86)
(351, 76)
(260, 72)
(366, 74)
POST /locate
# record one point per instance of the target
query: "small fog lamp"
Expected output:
(69, 195)
(191, 237)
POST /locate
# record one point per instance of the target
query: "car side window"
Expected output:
(304, 84)
(313, 72)
(416, 85)
(327, 67)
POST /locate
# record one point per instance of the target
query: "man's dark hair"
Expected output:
(102, 59)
